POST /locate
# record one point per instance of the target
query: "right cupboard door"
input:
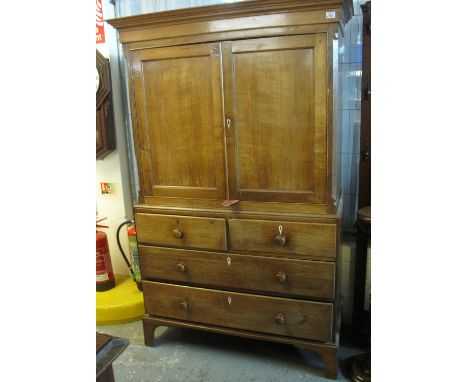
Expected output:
(275, 92)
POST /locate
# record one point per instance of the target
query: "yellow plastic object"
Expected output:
(123, 303)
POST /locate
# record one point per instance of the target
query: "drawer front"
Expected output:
(303, 239)
(181, 231)
(312, 279)
(274, 315)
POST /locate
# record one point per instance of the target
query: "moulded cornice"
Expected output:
(230, 10)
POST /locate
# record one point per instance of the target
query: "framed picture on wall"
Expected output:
(105, 129)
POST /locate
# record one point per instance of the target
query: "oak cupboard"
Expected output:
(237, 143)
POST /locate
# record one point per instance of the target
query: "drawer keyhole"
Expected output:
(228, 261)
(280, 238)
(183, 305)
(229, 300)
(177, 233)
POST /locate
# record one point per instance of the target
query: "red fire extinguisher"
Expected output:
(134, 263)
(105, 279)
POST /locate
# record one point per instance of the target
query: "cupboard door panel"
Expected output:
(276, 92)
(179, 116)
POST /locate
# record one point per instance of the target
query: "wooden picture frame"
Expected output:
(105, 128)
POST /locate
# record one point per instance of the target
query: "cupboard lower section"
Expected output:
(253, 278)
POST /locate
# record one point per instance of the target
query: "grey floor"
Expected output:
(183, 355)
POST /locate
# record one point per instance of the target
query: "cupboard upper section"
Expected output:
(235, 102)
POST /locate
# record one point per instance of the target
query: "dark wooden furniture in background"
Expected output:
(108, 349)
(365, 142)
(363, 235)
(358, 368)
(236, 132)
(105, 129)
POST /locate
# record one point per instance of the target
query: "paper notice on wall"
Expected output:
(100, 37)
(108, 189)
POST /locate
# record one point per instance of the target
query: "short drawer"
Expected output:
(274, 315)
(304, 239)
(311, 279)
(181, 231)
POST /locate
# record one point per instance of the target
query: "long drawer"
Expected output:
(274, 315)
(181, 231)
(307, 240)
(312, 279)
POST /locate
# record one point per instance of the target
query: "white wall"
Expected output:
(114, 167)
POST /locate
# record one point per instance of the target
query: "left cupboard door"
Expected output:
(177, 95)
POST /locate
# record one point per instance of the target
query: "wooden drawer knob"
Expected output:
(183, 305)
(177, 233)
(279, 319)
(181, 266)
(281, 277)
(280, 240)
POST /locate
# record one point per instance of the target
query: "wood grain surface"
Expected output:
(310, 279)
(182, 130)
(301, 318)
(203, 233)
(305, 239)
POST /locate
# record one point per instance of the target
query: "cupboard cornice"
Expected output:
(230, 17)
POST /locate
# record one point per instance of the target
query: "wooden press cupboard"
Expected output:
(237, 140)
